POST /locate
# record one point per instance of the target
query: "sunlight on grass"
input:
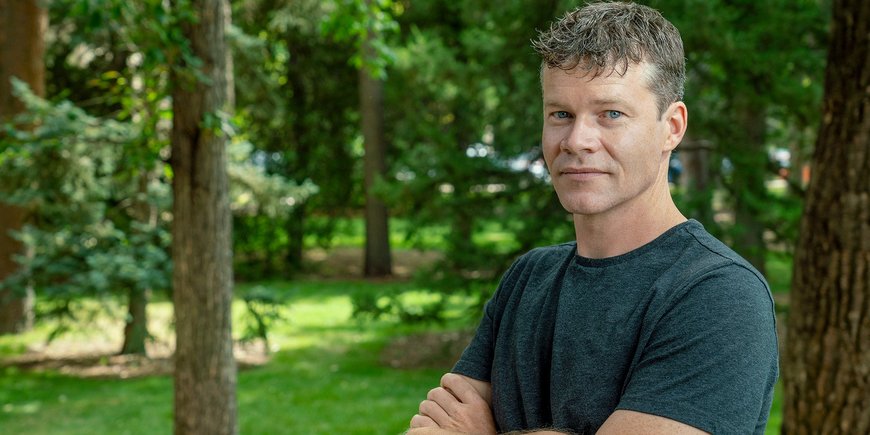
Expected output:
(325, 376)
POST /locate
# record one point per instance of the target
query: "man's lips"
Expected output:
(581, 173)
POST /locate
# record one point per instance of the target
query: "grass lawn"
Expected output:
(324, 377)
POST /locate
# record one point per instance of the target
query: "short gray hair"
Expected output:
(607, 37)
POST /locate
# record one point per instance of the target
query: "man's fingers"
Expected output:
(422, 421)
(444, 398)
(435, 411)
(460, 388)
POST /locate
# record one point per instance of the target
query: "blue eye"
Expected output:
(614, 114)
(561, 114)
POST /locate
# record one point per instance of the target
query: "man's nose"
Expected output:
(583, 137)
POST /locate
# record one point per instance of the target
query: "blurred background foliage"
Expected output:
(462, 117)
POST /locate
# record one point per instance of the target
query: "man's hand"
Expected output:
(456, 406)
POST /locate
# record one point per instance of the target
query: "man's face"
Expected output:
(603, 140)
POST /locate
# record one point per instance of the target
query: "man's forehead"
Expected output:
(628, 88)
(593, 72)
(635, 74)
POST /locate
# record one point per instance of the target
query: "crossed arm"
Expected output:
(461, 405)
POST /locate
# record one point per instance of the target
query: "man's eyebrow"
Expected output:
(596, 102)
(553, 103)
(609, 101)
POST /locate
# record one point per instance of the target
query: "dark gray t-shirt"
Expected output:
(682, 328)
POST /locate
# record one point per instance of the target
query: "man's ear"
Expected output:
(676, 119)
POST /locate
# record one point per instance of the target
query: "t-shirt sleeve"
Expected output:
(710, 357)
(476, 359)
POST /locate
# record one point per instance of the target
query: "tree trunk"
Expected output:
(299, 169)
(295, 227)
(371, 93)
(748, 182)
(827, 361)
(22, 47)
(136, 326)
(205, 371)
(23, 24)
(696, 180)
(16, 310)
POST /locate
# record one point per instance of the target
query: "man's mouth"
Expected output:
(581, 173)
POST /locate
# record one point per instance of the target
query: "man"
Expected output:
(645, 324)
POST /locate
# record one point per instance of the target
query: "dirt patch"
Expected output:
(100, 360)
(94, 365)
(426, 350)
(95, 361)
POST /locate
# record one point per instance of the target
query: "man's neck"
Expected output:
(624, 230)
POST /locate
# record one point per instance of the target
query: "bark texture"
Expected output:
(22, 47)
(16, 310)
(205, 371)
(827, 361)
(371, 95)
(136, 326)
